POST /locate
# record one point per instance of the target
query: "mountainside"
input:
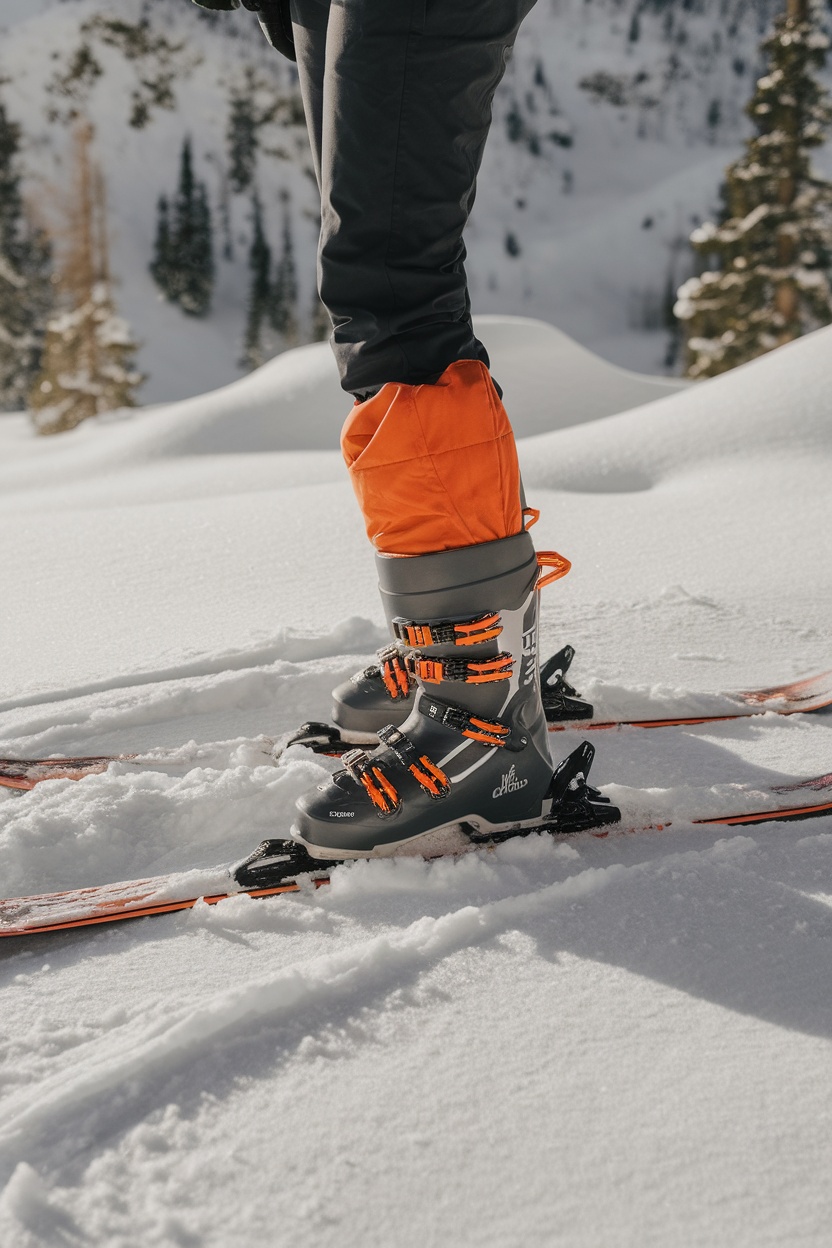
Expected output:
(612, 128)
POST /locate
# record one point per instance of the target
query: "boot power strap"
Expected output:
(470, 671)
(487, 731)
(448, 632)
(432, 779)
(393, 672)
(371, 776)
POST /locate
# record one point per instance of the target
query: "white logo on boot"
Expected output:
(530, 652)
(509, 783)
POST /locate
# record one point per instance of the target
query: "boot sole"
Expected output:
(448, 838)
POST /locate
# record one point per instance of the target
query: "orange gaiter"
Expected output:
(434, 467)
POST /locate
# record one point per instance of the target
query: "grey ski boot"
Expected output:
(472, 759)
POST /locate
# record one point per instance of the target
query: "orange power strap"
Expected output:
(534, 515)
(471, 671)
(382, 794)
(449, 632)
(551, 559)
(393, 672)
(488, 731)
(432, 779)
(485, 731)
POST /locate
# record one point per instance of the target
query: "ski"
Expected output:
(24, 773)
(563, 705)
(279, 867)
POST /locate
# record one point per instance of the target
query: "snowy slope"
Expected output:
(620, 1042)
(611, 133)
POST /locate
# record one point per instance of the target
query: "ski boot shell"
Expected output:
(474, 749)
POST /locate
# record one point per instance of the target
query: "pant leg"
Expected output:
(404, 109)
(309, 26)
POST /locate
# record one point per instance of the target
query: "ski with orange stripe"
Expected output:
(277, 868)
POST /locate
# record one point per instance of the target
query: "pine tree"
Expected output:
(285, 291)
(773, 247)
(259, 298)
(160, 265)
(88, 354)
(242, 141)
(183, 259)
(26, 291)
(192, 272)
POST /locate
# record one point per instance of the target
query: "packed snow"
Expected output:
(581, 1042)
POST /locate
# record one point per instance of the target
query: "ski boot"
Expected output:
(570, 805)
(472, 758)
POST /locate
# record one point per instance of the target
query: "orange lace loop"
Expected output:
(394, 673)
(551, 559)
(534, 515)
(471, 671)
(449, 632)
(431, 777)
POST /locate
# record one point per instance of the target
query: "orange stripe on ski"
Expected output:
(770, 816)
(143, 912)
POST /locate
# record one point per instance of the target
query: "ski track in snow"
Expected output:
(618, 1041)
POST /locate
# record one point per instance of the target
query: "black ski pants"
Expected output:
(398, 96)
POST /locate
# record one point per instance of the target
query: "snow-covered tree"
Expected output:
(26, 291)
(183, 257)
(241, 137)
(87, 366)
(770, 257)
(260, 290)
(284, 302)
(160, 265)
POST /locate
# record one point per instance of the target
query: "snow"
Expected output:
(620, 1041)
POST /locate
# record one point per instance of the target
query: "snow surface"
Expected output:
(616, 1042)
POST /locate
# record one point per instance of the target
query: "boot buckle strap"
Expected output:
(472, 632)
(471, 671)
(366, 772)
(430, 777)
(394, 672)
(486, 731)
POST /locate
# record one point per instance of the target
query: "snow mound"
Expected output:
(295, 402)
(775, 406)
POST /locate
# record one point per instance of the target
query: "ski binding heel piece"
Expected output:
(561, 701)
